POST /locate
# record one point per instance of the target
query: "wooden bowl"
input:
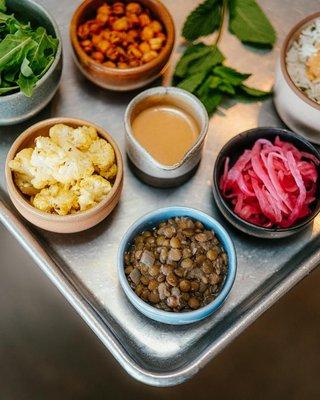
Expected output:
(116, 78)
(52, 222)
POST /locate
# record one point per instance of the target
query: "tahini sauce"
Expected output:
(167, 132)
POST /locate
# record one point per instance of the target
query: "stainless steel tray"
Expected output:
(83, 266)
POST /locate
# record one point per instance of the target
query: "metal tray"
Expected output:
(83, 266)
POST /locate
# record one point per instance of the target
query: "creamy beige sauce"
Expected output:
(167, 132)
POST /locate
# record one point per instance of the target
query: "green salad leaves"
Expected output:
(25, 54)
(201, 68)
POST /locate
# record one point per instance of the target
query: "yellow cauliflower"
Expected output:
(91, 190)
(57, 198)
(81, 137)
(101, 154)
(77, 166)
(22, 163)
(110, 173)
(23, 182)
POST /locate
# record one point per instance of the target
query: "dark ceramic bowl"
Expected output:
(233, 149)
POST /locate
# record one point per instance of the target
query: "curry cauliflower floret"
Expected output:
(81, 137)
(46, 158)
(77, 166)
(110, 173)
(56, 198)
(22, 163)
(91, 190)
(24, 184)
(101, 154)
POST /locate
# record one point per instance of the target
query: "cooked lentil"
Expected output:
(177, 266)
(122, 35)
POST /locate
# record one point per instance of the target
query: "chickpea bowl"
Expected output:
(55, 176)
(177, 265)
(122, 45)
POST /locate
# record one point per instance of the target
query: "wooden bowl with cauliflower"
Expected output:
(64, 175)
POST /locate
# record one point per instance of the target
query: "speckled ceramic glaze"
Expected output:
(233, 149)
(144, 165)
(148, 222)
(294, 107)
(15, 108)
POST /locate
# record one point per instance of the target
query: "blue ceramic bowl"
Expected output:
(16, 107)
(151, 220)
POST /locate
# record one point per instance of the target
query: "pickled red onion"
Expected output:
(271, 185)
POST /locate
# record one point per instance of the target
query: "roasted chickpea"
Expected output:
(134, 8)
(121, 24)
(156, 26)
(98, 56)
(118, 8)
(147, 33)
(144, 19)
(144, 47)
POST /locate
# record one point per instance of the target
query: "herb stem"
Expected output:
(223, 13)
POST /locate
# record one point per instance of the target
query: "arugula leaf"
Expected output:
(25, 68)
(230, 75)
(192, 82)
(27, 84)
(249, 23)
(203, 20)
(46, 46)
(3, 6)
(25, 54)
(13, 49)
(5, 90)
(254, 92)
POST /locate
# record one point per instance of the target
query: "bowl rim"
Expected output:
(55, 217)
(297, 28)
(123, 72)
(216, 189)
(166, 91)
(56, 58)
(191, 316)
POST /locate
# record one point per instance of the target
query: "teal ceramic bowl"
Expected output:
(16, 107)
(149, 221)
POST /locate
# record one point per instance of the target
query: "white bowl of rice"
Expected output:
(297, 86)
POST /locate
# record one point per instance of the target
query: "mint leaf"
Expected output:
(203, 20)
(207, 62)
(254, 92)
(192, 82)
(249, 23)
(215, 82)
(192, 53)
(3, 6)
(211, 101)
(231, 75)
(226, 87)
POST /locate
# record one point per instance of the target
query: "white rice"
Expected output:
(307, 44)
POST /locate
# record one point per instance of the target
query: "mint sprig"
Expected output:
(201, 68)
